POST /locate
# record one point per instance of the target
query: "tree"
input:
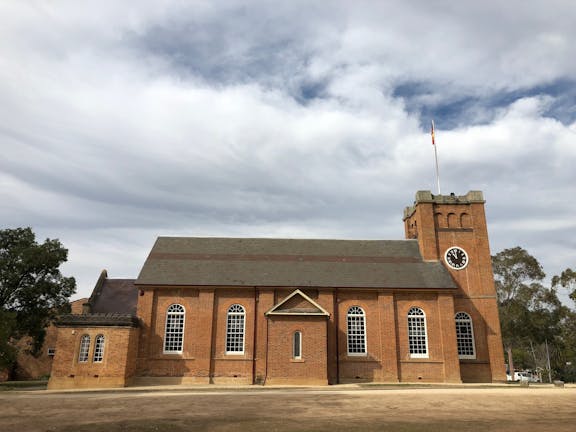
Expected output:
(530, 313)
(567, 279)
(32, 289)
(7, 351)
(513, 269)
(567, 369)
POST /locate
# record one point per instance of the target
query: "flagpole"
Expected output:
(436, 160)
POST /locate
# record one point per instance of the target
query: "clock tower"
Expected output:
(452, 229)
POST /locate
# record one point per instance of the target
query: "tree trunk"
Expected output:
(510, 361)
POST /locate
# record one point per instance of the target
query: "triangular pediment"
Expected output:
(297, 303)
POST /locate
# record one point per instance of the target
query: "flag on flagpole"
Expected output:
(432, 132)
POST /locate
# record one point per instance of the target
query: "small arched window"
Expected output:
(235, 319)
(297, 345)
(417, 337)
(356, 326)
(84, 349)
(174, 333)
(465, 336)
(98, 349)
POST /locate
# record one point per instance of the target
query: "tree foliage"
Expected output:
(567, 279)
(7, 351)
(521, 296)
(32, 289)
(514, 269)
(531, 314)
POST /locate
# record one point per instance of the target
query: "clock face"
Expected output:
(456, 258)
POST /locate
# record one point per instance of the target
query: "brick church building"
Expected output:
(293, 311)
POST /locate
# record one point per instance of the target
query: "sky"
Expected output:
(124, 121)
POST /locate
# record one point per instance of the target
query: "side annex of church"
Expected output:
(298, 311)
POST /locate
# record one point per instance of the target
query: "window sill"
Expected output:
(229, 357)
(297, 361)
(363, 359)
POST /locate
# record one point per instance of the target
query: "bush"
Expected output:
(567, 373)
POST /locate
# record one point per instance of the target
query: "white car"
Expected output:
(523, 376)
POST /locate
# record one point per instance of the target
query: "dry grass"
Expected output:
(326, 409)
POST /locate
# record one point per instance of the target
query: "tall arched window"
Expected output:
(98, 349)
(417, 338)
(174, 333)
(465, 336)
(356, 323)
(235, 329)
(84, 349)
(297, 345)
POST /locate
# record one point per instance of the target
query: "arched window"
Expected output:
(174, 333)
(297, 345)
(98, 349)
(417, 339)
(356, 322)
(84, 349)
(235, 329)
(465, 336)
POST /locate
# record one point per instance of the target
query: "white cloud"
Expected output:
(121, 121)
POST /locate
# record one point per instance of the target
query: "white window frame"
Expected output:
(84, 351)
(417, 333)
(174, 329)
(465, 342)
(235, 329)
(356, 332)
(99, 343)
(297, 345)
(51, 352)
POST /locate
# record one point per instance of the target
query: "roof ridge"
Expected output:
(355, 240)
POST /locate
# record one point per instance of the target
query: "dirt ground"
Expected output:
(311, 409)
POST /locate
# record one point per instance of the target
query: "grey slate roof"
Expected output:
(118, 296)
(291, 262)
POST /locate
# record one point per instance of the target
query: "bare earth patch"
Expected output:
(311, 409)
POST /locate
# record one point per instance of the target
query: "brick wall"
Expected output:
(113, 371)
(441, 364)
(358, 367)
(267, 344)
(440, 223)
(232, 367)
(311, 368)
(137, 355)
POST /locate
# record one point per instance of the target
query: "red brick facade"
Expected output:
(442, 222)
(265, 351)
(116, 369)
